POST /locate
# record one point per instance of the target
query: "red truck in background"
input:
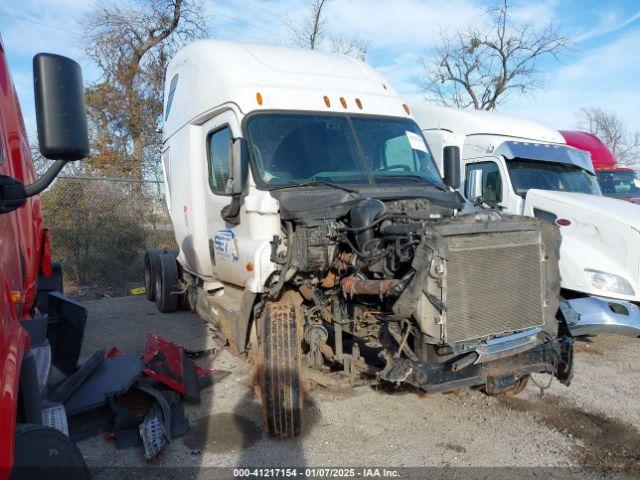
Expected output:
(614, 181)
(39, 327)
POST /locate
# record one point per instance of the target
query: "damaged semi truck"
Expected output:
(523, 168)
(315, 231)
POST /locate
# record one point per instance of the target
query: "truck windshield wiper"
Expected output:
(413, 177)
(337, 186)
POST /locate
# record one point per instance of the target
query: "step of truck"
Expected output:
(230, 301)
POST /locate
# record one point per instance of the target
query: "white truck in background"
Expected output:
(315, 231)
(523, 168)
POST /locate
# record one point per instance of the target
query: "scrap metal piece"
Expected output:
(113, 376)
(152, 431)
(594, 315)
(65, 389)
(164, 405)
(55, 416)
(168, 363)
(65, 331)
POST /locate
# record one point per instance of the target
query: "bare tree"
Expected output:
(354, 46)
(131, 46)
(481, 68)
(610, 128)
(312, 32)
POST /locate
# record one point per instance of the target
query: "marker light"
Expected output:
(609, 282)
(563, 222)
(259, 98)
(406, 108)
(343, 102)
(327, 102)
(359, 103)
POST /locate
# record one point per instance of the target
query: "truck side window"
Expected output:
(219, 158)
(491, 181)
(172, 92)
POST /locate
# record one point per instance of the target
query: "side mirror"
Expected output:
(60, 115)
(60, 110)
(239, 166)
(474, 185)
(451, 166)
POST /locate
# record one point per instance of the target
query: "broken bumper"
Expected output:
(594, 315)
(553, 357)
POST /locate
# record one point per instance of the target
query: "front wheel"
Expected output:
(279, 370)
(43, 452)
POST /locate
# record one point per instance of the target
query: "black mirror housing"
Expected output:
(451, 166)
(60, 109)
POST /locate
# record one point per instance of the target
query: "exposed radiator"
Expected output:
(494, 284)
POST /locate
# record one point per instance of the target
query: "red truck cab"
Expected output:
(614, 181)
(25, 441)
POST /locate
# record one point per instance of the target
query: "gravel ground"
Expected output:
(593, 424)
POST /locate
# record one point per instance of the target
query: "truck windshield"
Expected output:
(527, 174)
(618, 183)
(294, 149)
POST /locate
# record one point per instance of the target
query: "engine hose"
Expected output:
(369, 225)
(275, 290)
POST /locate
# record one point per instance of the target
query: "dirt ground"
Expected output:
(589, 429)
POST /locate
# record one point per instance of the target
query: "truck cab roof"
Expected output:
(479, 133)
(208, 75)
(480, 122)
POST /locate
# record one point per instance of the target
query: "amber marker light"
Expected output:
(343, 102)
(259, 98)
(327, 102)
(406, 108)
(359, 103)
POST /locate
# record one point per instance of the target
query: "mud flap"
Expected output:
(564, 362)
(65, 330)
(594, 315)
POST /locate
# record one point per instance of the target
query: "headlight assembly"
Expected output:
(609, 282)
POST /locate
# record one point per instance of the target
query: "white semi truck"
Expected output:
(315, 231)
(523, 168)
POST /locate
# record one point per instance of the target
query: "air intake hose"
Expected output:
(363, 215)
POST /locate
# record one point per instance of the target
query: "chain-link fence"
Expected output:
(100, 229)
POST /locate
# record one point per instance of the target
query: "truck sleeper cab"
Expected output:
(315, 231)
(615, 181)
(523, 168)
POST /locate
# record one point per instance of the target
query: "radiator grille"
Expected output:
(494, 284)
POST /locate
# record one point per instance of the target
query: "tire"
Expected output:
(279, 370)
(150, 262)
(43, 452)
(165, 283)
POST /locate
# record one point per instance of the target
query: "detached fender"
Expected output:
(594, 315)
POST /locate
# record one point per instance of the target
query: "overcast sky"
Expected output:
(602, 70)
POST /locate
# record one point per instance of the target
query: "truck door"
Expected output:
(223, 232)
(493, 190)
